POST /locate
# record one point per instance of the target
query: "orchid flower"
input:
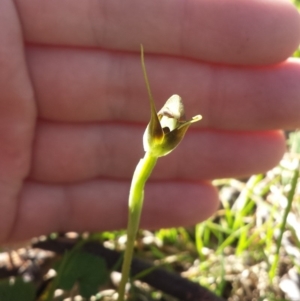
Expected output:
(167, 127)
(162, 135)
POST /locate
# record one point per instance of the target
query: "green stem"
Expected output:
(287, 210)
(136, 198)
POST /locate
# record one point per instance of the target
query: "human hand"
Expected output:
(73, 106)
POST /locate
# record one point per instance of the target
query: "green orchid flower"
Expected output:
(167, 127)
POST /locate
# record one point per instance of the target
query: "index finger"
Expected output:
(231, 31)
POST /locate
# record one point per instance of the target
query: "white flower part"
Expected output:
(172, 112)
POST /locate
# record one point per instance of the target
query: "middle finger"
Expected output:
(94, 85)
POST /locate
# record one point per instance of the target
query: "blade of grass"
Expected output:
(290, 198)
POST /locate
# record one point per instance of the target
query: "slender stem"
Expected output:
(136, 198)
(287, 210)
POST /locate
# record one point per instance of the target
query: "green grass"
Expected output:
(248, 247)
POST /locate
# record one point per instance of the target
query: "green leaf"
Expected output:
(17, 289)
(88, 270)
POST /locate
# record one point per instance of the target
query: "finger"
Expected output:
(101, 205)
(68, 153)
(17, 114)
(233, 32)
(77, 85)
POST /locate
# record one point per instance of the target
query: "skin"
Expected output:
(73, 106)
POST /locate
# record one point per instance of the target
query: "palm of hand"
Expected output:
(72, 116)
